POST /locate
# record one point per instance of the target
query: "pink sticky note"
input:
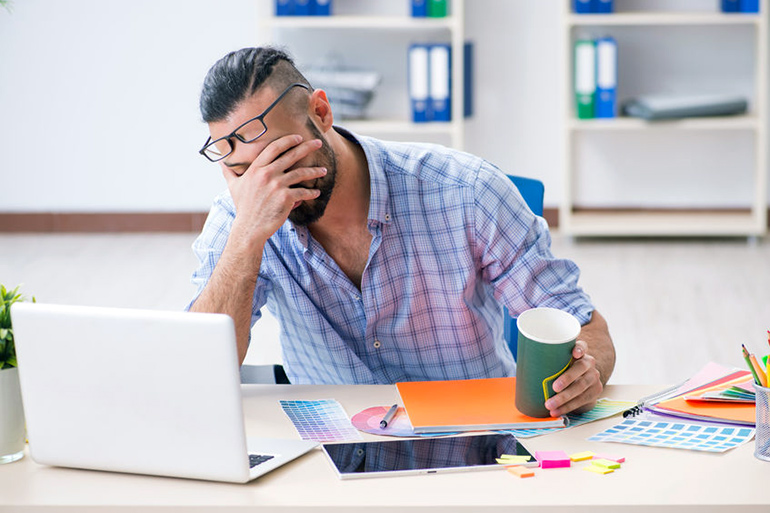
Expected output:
(552, 459)
(616, 459)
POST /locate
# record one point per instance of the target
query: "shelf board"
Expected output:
(359, 22)
(747, 122)
(664, 223)
(663, 18)
(395, 126)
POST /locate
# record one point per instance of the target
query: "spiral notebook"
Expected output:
(466, 405)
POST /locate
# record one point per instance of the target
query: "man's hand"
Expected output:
(578, 389)
(266, 192)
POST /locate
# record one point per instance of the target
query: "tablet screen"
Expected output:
(423, 455)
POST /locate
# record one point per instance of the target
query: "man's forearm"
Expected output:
(597, 336)
(230, 289)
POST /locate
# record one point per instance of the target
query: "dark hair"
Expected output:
(239, 74)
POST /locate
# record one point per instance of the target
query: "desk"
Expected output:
(651, 479)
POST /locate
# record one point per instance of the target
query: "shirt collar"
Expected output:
(379, 195)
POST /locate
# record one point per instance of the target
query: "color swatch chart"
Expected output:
(322, 421)
(604, 408)
(676, 435)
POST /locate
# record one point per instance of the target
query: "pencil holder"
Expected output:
(762, 448)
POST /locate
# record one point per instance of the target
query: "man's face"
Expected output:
(284, 119)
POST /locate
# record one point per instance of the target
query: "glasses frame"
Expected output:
(234, 133)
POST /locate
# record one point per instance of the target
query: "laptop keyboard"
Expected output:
(256, 459)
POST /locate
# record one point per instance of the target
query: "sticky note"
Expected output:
(598, 470)
(552, 459)
(512, 460)
(606, 464)
(522, 471)
(617, 459)
(581, 456)
(522, 457)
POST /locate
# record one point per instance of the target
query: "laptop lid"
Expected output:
(137, 391)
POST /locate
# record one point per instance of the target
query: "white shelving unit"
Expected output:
(368, 19)
(581, 220)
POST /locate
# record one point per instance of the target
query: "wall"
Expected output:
(98, 105)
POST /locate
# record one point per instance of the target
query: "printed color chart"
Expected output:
(604, 408)
(323, 420)
(676, 435)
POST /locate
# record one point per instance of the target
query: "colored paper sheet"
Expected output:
(604, 408)
(466, 405)
(323, 420)
(676, 435)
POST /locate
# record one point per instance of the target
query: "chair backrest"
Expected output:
(532, 191)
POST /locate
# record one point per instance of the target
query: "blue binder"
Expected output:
(419, 8)
(418, 82)
(301, 7)
(440, 82)
(605, 105)
(468, 79)
(730, 5)
(602, 6)
(748, 5)
(582, 6)
(321, 7)
(284, 7)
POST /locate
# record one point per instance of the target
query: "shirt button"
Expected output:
(377, 344)
(387, 217)
(357, 298)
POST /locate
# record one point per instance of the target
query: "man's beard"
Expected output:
(311, 211)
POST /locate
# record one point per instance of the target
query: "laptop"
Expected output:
(138, 391)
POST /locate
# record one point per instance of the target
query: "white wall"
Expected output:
(98, 105)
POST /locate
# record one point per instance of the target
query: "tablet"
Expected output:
(423, 455)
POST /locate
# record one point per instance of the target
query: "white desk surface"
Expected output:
(651, 479)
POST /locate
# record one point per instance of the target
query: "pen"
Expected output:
(388, 416)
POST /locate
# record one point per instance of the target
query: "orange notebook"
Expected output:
(466, 405)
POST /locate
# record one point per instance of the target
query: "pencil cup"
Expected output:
(546, 339)
(762, 440)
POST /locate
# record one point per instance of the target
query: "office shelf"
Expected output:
(288, 30)
(579, 220)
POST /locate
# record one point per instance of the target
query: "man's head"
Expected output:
(240, 87)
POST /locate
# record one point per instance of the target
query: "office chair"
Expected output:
(531, 190)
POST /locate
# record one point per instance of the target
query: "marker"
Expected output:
(388, 416)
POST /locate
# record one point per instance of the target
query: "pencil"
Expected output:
(751, 365)
(760, 371)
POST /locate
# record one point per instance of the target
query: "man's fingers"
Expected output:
(273, 160)
(273, 150)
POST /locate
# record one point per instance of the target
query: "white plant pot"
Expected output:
(12, 430)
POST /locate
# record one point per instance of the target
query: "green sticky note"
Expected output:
(606, 464)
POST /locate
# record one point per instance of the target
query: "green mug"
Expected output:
(546, 339)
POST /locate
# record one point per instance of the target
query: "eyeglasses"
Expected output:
(248, 132)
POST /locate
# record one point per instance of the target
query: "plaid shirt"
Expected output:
(452, 242)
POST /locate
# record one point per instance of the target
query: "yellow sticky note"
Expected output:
(523, 471)
(523, 457)
(606, 464)
(507, 459)
(581, 456)
(598, 470)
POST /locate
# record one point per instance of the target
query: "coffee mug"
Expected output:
(546, 339)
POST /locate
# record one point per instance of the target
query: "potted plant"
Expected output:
(12, 431)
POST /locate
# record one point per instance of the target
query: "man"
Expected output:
(382, 261)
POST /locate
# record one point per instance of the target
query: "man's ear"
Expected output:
(320, 110)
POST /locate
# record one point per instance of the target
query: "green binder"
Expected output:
(585, 78)
(437, 8)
